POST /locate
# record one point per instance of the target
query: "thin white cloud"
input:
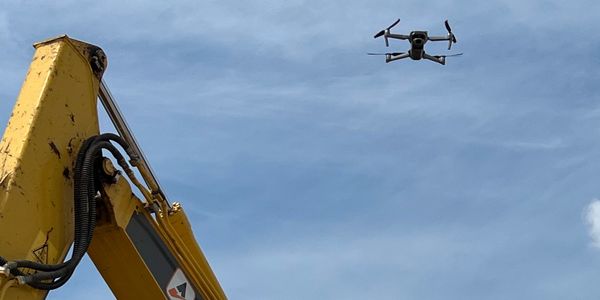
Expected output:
(553, 143)
(286, 86)
(592, 217)
(335, 259)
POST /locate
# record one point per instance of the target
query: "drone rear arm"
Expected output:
(439, 38)
(397, 36)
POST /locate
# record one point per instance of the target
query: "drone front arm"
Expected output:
(397, 36)
(435, 58)
(439, 38)
(390, 58)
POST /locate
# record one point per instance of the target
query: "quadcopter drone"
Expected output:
(417, 41)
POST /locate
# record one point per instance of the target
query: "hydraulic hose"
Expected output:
(52, 276)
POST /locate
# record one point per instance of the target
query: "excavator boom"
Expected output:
(58, 192)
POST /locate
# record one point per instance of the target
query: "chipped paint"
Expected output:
(54, 148)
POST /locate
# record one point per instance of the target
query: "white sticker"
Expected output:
(179, 288)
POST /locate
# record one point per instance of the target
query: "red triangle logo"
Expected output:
(179, 291)
(179, 288)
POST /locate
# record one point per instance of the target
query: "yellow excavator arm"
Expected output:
(59, 192)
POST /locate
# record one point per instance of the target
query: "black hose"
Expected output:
(80, 218)
(50, 277)
(85, 205)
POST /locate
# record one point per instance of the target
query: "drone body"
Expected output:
(417, 40)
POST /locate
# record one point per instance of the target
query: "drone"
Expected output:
(417, 40)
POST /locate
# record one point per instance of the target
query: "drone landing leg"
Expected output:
(389, 57)
(437, 59)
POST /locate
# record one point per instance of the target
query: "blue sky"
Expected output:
(311, 170)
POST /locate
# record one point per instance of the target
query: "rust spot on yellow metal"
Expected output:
(70, 146)
(54, 148)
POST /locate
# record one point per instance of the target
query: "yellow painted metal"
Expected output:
(112, 251)
(54, 113)
(207, 281)
(115, 256)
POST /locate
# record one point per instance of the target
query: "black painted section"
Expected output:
(153, 251)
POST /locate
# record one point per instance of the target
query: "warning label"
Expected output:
(179, 288)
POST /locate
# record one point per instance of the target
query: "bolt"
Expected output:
(108, 168)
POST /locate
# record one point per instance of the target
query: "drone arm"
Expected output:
(397, 36)
(390, 58)
(438, 59)
(438, 38)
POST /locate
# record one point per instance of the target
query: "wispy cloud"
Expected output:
(257, 114)
(592, 216)
(338, 265)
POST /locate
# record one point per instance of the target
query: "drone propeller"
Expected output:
(389, 53)
(450, 34)
(383, 32)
